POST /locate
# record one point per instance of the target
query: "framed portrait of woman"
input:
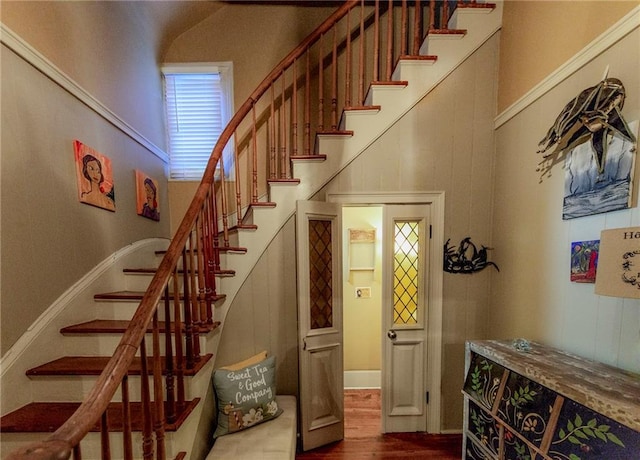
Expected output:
(147, 196)
(94, 176)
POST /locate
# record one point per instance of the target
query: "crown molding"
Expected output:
(611, 36)
(15, 43)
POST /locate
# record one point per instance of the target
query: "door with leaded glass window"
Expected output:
(405, 316)
(318, 235)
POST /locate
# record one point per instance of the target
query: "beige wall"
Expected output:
(539, 36)
(532, 296)
(49, 239)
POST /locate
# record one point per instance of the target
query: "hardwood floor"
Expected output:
(363, 439)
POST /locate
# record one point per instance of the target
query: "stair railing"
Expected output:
(303, 96)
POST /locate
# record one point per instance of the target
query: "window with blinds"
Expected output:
(198, 105)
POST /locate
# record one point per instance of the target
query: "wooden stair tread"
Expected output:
(221, 248)
(477, 5)
(454, 32)
(114, 326)
(284, 180)
(311, 157)
(151, 271)
(47, 417)
(137, 295)
(94, 365)
(419, 57)
(335, 132)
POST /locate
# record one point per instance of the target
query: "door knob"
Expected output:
(392, 334)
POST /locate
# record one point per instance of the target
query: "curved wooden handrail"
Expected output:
(61, 443)
(202, 218)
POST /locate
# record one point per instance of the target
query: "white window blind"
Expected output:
(198, 107)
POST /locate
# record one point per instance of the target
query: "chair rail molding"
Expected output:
(19, 46)
(610, 37)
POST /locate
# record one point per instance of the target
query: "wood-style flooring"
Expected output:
(363, 439)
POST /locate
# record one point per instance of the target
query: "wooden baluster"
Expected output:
(389, 40)
(168, 352)
(417, 29)
(205, 306)
(158, 393)
(307, 106)
(294, 111)
(376, 42)
(445, 15)
(432, 14)
(104, 436)
(177, 318)
(77, 454)
(361, 64)
(236, 166)
(193, 289)
(208, 253)
(188, 322)
(334, 82)
(272, 137)
(127, 443)
(283, 131)
(223, 199)
(254, 153)
(213, 207)
(147, 441)
(403, 29)
(320, 87)
(347, 79)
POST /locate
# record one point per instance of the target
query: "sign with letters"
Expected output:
(619, 263)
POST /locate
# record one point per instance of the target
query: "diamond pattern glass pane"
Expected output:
(320, 274)
(405, 273)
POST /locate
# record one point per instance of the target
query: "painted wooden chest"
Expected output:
(543, 403)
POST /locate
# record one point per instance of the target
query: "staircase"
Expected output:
(231, 232)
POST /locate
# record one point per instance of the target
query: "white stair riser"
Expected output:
(74, 388)
(105, 344)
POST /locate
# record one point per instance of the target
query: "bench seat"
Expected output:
(272, 440)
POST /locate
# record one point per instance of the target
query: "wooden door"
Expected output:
(405, 315)
(319, 247)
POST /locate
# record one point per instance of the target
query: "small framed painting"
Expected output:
(147, 196)
(94, 176)
(584, 261)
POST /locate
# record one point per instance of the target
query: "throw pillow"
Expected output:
(246, 362)
(245, 397)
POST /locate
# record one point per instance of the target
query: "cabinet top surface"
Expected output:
(605, 389)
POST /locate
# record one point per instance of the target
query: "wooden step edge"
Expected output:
(47, 417)
(115, 326)
(363, 108)
(180, 456)
(151, 271)
(94, 365)
(476, 6)
(430, 58)
(286, 181)
(233, 229)
(334, 132)
(397, 83)
(316, 157)
(137, 295)
(447, 32)
(262, 204)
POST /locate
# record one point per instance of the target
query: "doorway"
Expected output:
(365, 338)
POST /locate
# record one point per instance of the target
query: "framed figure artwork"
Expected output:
(94, 176)
(147, 196)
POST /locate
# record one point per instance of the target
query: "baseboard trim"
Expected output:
(611, 36)
(17, 44)
(362, 379)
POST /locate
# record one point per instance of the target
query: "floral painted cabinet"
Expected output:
(544, 404)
